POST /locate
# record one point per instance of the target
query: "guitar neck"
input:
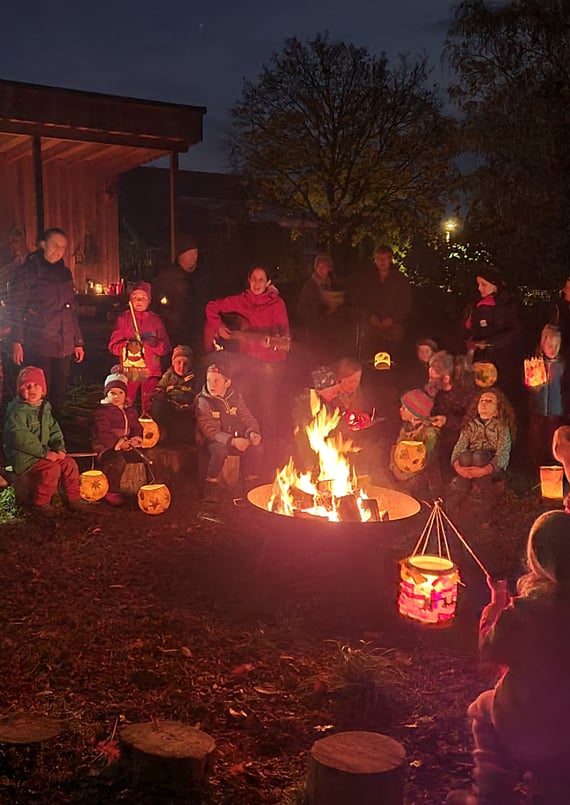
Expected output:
(276, 342)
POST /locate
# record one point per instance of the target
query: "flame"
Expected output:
(336, 478)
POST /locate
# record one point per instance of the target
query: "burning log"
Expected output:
(299, 514)
(377, 515)
(301, 499)
(348, 511)
(324, 496)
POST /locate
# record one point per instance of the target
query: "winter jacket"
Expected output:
(391, 298)
(180, 298)
(265, 312)
(111, 423)
(492, 435)
(30, 432)
(43, 313)
(153, 334)
(532, 699)
(546, 400)
(493, 320)
(219, 419)
(178, 390)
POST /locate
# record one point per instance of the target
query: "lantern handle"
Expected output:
(467, 547)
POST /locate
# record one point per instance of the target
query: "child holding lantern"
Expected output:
(419, 473)
(116, 433)
(139, 340)
(545, 400)
(522, 724)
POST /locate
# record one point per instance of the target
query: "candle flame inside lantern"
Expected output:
(428, 589)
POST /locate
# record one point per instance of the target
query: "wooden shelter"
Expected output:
(61, 152)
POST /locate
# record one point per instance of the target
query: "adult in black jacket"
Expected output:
(45, 331)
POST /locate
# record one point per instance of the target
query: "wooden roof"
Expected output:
(111, 132)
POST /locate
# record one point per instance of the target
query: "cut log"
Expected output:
(371, 505)
(348, 511)
(18, 728)
(356, 767)
(229, 475)
(301, 499)
(134, 476)
(166, 755)
(171, 461)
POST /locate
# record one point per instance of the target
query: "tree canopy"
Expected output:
(334, 133)
(512, 66)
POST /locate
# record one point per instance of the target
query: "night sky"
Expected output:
(197, 52)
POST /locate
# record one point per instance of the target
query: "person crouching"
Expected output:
(116, 433)
(224, 427)
(34, 445)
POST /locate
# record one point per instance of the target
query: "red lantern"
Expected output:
(428, 589)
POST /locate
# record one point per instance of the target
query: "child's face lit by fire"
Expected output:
(488, 405)
(406, 415)
(424, 353)
(550, 346)
(217, 384)
(32, 394)
(139, 301)
(181, 366)
(117, 397)
(330, 393)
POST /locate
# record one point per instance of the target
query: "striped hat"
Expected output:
(418, 403)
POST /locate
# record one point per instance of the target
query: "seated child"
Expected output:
(418, 426)
(116, 432)
(226, 427)
(482, 452)
(173, 399)
(34, 445)
(325, 388)
(545, 402)
(153, 342)
(521, 725)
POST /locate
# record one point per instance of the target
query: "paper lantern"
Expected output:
(410, 456)
(486, 374)
(382, 360)
(153, 498)
(551, 482)
(93, 485)
(534, 372)
(428, 589)
(151, 431)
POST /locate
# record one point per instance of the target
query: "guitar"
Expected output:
(240, 331)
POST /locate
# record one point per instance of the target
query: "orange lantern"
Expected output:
(534, 372)
(382, 360)
(151, 431)
(551, 482)
(485, 373)
(410, 456)
(153, 498)
(428, 589)
(93, 485)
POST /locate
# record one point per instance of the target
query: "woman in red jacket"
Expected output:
(263, 340)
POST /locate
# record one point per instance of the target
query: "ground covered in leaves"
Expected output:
(203, 615)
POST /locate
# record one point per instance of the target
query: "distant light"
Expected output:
(164, 300)
(98, 288)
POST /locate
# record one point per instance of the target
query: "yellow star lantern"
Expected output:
(153, 498)
(93, 485)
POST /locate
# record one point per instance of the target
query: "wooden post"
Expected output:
(38, 186)
(134, 476)
(173, 175)
(356, 767)
(166, 754)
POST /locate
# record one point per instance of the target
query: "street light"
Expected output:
(449, 226)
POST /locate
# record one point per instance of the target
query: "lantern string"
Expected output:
(467, 547)
(425, 535)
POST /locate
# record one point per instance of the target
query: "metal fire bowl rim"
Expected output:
(405, 506)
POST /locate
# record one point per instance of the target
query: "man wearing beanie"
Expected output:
(173, 399)
(421, 479)
(181, 292)
(34, 445)
(45, 331)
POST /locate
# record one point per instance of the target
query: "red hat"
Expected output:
(32, 374)
(418, 402)
(143, 286)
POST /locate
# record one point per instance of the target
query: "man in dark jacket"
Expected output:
(45, 330)
(180, 293)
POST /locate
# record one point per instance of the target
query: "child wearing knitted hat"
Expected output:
(35, 447)
(418, 426)
(116, 433)
(173, 398)
(140, 333)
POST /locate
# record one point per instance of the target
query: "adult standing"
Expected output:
(317, 309)
(384, 302)
(259, 368)
(45, 330)
(492, 329)
(180, 294)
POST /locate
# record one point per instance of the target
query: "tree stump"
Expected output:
(167, 755)
(23, 738)
(229, 475)
(171, 461)
(356, 767)
(133, 477)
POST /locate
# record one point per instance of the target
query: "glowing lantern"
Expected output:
(428, 589)
(153, 498)
(382, 360)
(534, 372)
(486, 374)
(410, 456)
(93, 485)
(151, 431)
(551, 482)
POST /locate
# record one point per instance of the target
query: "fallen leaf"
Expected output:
(167, 650)
(186, 651)
(110, 749)
(267, 690)
(323, 727)
(238, 768)
(236, 713)
(245, 668)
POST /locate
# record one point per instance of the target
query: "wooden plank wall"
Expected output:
(80, 199)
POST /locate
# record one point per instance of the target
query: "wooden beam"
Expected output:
(38, 185)
(173, 175)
